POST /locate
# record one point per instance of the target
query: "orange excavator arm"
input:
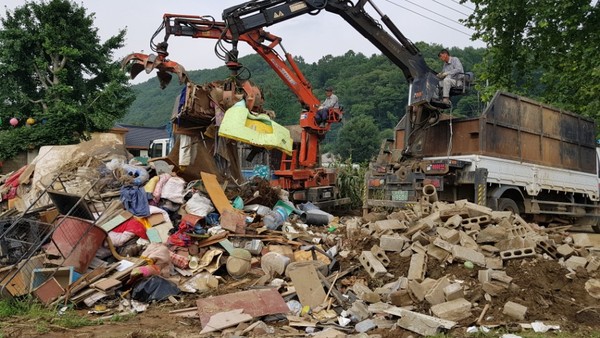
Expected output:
(264, 44)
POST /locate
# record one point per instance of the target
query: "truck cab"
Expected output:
(159, 148)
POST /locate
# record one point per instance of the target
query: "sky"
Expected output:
(312, 37)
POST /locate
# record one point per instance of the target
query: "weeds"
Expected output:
(350, 182)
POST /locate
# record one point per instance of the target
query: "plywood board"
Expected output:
(308, 286)
(216, 193)
(256, 303)
(223, 320)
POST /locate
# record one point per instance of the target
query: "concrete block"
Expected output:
(391, 243)
(517, 253)
(449, 235)
(418, 248)
(515, 310)
(437, 253)
(494, 263)
(478, 210)
(453, 222)
(359, 311)
(418, 290)
(454, 310)
(467, 241)
(593, 263)
(372, 265)
(480, 221)
(419, 323)
(436, 295)
(365, 294)
(442, 244)
(575, 262)
(484, 276)
(454, 291)
(418, 267)
(401, 298)
(518, 231)
(493, 288)
(410, 216)
(492, 234)
(420, 237)
(379, 253)
(390, 224)
(501, 276)
(498, 216)
(406, 252)
(492, 250)
(466, 254)
(565, 250)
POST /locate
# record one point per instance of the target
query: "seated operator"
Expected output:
(451, 75)
(330, 102)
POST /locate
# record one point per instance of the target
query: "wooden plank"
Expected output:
(308, 286)
(216, 193)
(223, 320)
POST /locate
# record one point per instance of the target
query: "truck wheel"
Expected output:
(506, 204)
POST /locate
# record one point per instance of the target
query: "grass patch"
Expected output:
(42, 317)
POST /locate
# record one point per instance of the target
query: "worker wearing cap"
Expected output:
(330, 102)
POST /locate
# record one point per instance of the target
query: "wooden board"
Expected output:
(216, 193)
(308, 286)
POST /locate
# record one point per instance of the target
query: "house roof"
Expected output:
(140, 137)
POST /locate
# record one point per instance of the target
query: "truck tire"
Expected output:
(506, 204)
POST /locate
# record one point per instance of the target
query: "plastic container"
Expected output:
(275, 218)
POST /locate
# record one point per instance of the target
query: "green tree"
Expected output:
(54, 69)
(546, 49)
(358, 139)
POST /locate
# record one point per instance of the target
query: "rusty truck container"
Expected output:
(515, 128)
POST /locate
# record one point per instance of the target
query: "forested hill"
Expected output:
(372, 90)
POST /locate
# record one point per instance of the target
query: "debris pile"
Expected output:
(113, 237)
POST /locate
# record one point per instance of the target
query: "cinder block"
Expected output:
(517, 253)
(420, 237)
(401, 298)
(467, 241)
(455, 310)
(442, 244)
(418, 267)
(418, 248)
(436, 295)
(518, 231)
(492, 234)
(437, 253)
(379, 253)
(466, 254)
(372, 265)
(494, 263)
(480, 221)
(575, 262)
(484, 276)
(515, 310)
(565, 250)
(449, 235)
(454, 291)
(493, 288)
(418, 290)
(501, 276)
(391, 243)
(477, 210)
(453, 222)
(390, 224)
(593, 263)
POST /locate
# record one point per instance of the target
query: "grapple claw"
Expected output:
(138, 62)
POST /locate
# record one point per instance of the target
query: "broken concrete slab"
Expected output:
(514, 310)
(455, 310)
(223, 320)
(420, 323)
(308, 286)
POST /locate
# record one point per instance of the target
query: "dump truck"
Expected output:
(519, 155)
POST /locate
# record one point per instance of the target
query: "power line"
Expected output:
(428, 18)
(436, 13)
(456, 10)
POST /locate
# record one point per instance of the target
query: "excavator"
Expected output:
(300, 173)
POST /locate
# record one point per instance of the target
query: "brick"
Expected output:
(565, 250)
(372, 265)
(401, 298)
(379, 253)
(436, 295)
(391, 243)
(418, 267)
(454, 291)
(575, 262)
(515, 310)
(390, 224)
(454, 310)
(466, 254)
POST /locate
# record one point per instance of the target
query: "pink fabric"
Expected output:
(161, 183)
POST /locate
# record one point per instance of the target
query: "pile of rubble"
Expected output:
(243, 260)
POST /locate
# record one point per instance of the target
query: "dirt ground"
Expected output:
(539, 284)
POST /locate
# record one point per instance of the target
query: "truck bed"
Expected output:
(513, 128)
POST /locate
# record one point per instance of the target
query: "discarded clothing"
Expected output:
(135, 200)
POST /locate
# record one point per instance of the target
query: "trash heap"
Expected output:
(244, 260)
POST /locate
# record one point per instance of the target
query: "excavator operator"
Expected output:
(330, 102)
(452, 74)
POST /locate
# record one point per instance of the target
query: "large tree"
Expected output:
(55, 70)
(358, 139)
(546, 49)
